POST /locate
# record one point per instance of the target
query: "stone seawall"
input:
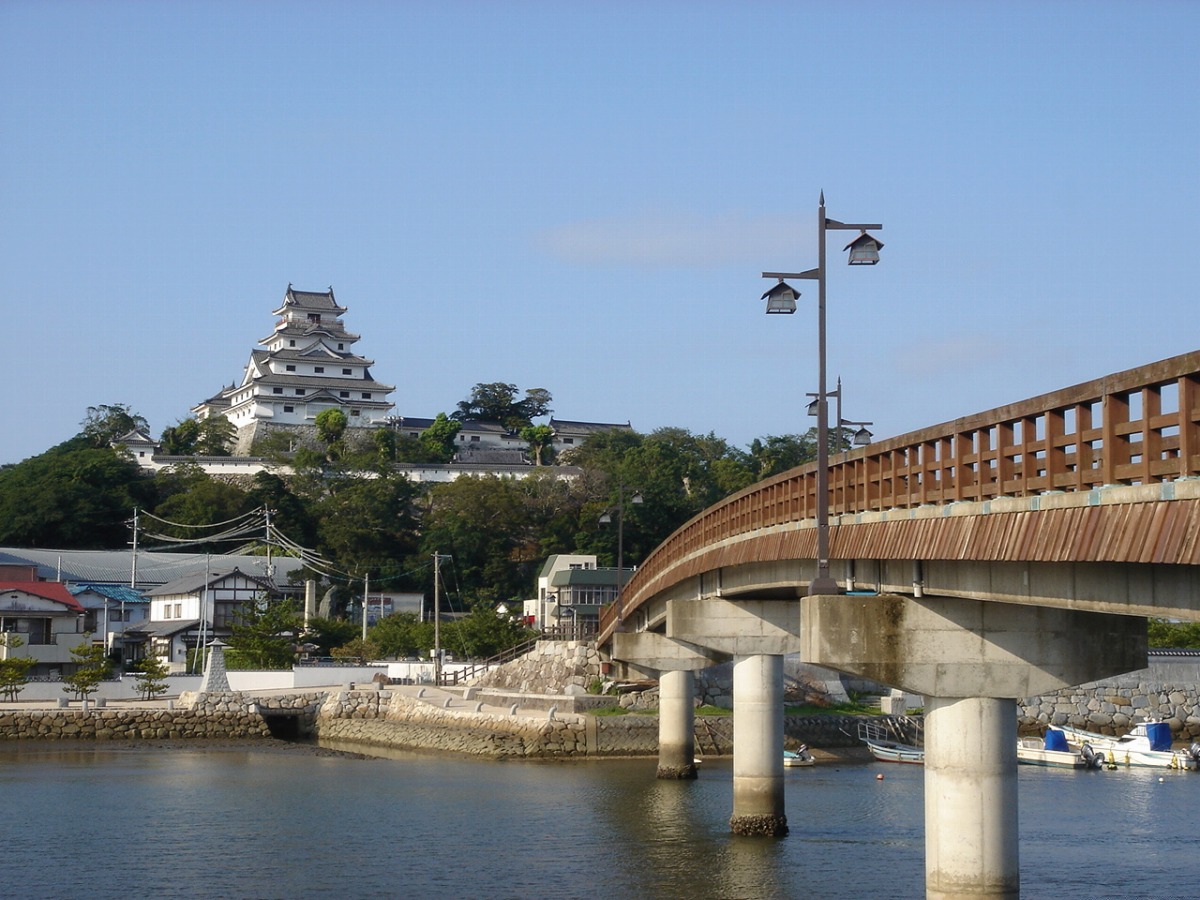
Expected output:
(1113, 706)
(129, 724)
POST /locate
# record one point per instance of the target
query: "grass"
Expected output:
(838, 709)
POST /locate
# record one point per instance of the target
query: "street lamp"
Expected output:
(605, 518)
(860, 438)
(781, 299)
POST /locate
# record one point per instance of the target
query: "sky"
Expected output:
(582, 196)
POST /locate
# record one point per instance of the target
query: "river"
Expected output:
(280, 821)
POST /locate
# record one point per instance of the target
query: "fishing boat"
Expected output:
(798, 758)
(1055, 751)
(884, 749)
(1149, 744)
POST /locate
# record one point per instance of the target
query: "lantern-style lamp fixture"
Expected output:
(781, 299)
(862, 437)
(864, 250)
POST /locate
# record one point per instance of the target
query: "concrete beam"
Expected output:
(746, 627)
(949, 647)
(654, 653)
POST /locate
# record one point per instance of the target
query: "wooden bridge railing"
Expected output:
(1135, 427)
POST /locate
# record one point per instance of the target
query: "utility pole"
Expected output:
(366, 600)
(437, 618)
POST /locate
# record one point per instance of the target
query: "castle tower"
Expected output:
(307, 365)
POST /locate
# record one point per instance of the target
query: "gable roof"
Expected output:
(47, 590)
(118, 592)
(197, 581)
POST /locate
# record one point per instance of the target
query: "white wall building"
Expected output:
(307, 365)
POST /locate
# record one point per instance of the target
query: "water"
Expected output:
(100, 821)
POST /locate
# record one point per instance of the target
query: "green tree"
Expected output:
(107, 422)
(180, 439)
(72, 496)
(540, 439)
(199, 499)
(366, 523)
(331, 427)
(497, 402)
(358, 650)
(91, 667)
(1176, 635)
(215, 436)
(401, 635)
(14, 670)
(152, 677)
(325, 634)
(439, 439)
(483, 633)
(264, 633)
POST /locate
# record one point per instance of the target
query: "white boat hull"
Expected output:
(1131, 750)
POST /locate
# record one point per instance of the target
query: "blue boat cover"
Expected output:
(1159, 734)
(1056, 739)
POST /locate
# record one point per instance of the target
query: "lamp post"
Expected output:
(781, 299)
(860, 438)
(605, 518)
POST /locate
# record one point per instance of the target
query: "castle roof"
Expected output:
(314, 300)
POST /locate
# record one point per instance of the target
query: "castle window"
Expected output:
(354, 412)
(289, 409)
(314, 317)
(291, 343)
(341, 346)
(366, 395)
(290, 368)
(347, 372)
(276, 390)
(299, 392)
(318, 369)
(343, 393)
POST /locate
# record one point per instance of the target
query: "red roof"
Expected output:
(47, 590)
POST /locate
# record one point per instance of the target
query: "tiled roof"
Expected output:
(47, 590)
(565, 426)
(311, 299)
(196, 581)
(153, 566)
(119, 592)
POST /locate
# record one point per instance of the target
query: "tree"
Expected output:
(264, 632)
(484, 632)
(401, 635)
(1176, 635)
(107, 422)
(215, 436)
(438, 440)
(325, 634)
(91, 667)
(152, 677)
(199, 499)
(540, 439)
(14, 670)
(366, 523)
(357, 649)
(497, 402)
(72, 496)
(180, 439)
(331, 425)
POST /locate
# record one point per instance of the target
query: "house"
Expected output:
(195, 608)
(571, 587)
(568, 435)
(139, 445)
(48, 619)
(307, 365)
(108, 610)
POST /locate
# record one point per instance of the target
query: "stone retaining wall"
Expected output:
(129, 724)
(1113, 706)
(551, 667)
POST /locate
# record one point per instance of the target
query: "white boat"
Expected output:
(798, 758)
(1149, 744)
(884, 749)
(1054, 751)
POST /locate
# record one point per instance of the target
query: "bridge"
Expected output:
(999, 556)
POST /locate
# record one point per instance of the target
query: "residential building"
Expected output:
(307, 365)
(108, 610)
(49, 621)
(572, 589)
(197, 607)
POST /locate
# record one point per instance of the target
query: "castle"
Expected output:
(307, 365)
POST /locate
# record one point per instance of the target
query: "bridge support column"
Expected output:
(758, 806)
(676, 725)
(971, 799)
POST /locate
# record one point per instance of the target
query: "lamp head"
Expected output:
(781, 299)
(862, 437)
(864, 250)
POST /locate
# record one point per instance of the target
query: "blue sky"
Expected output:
(582, 196)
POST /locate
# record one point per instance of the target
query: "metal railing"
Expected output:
(1134, 427)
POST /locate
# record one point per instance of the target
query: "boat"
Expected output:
(1149, 744)
(1055, 751)
(884, 749)
(798, 758)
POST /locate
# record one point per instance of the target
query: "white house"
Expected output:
(195, 606)
(108, 610)
(571, 587)
(48, 620)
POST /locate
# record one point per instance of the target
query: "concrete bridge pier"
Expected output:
(971, 798)
(758, 786)
(676, 725)
(970, 659)
(673, 663)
